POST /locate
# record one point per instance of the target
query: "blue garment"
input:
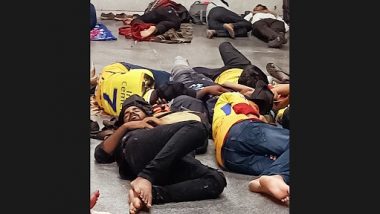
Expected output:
(160, 77)
(101, 33)
(249, 145)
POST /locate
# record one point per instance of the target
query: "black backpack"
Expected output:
(183, 13)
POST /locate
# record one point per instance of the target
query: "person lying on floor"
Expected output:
(118, 81)
(181, 99)
(158, 158)
(222, 22)
(163, 18)
(246, 144)
(237, 68)
(268, 26)
(238, 74)
(121, 80)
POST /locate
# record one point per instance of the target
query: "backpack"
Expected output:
(179, 8)
(198, 12)
(155, 4)
(183, 13)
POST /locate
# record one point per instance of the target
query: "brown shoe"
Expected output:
(277, 73)
(107, 16)
(275, 43)
(121, 17)
(283, 38)
(210, 33)
(230, 28)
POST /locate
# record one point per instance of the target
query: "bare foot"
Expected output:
(148, 32)
(254, 185)
(135, 203)
(210, 33)
(230, 28)
(143, 187)
(94, 198)
(273, 185)
(128, 21)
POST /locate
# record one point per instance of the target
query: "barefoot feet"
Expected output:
(230, 28)
(135, 203)
(143, 188)
(273, 185)
(148, 32)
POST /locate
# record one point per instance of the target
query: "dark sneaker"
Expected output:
(282, 36)
(107, 16)
(121, 17)
(210, 33)
(230, 28)
(275, 43)
(94, 126)
(277, 73)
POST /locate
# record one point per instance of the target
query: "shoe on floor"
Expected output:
(107, 16)
(282, 36)
(210, 33)
(121, 17)
(275, 43)
(230, 28)
(94, 126)
(277, 73)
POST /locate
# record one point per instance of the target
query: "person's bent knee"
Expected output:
(224, 45)
(218, 183)
(198, 127)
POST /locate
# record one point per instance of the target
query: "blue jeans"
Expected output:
(250, 144)
(160, 77)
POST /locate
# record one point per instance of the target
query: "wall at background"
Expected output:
(238, 6)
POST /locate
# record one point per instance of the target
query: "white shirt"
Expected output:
(258, 16)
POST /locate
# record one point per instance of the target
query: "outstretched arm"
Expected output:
(243, 89)
(215, 90)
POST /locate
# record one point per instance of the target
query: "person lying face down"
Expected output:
(158, 159)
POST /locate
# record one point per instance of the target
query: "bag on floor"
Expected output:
(198, 12)
(117, 83)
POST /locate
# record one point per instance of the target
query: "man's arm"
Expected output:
(113, 141)
(243, 89)
(215, 90)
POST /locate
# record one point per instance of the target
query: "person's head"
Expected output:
(134, 108)
(260, 7)
(133, 113)
(250, 75)
(263, 97)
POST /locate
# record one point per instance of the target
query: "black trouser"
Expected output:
(285, 9)
(185, 102)
(92, 16)
(164, 18)
(232, 58)
(220, 15)
(268, 29)
(161, 155)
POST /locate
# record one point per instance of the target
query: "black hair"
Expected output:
(250, 75)
(263, 6)
(134, 100)
(225, 3)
